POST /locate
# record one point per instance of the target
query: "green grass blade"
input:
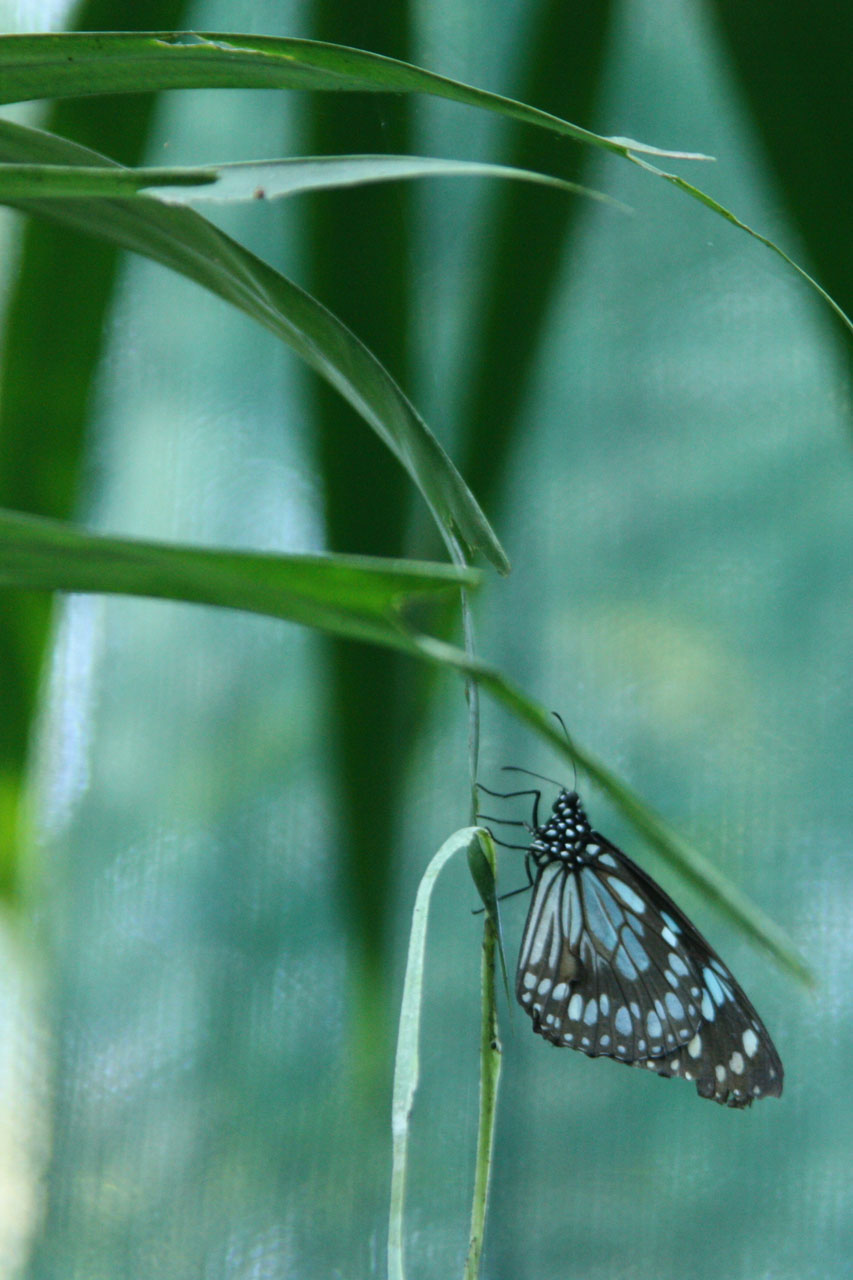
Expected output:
(53, 65)
(481, 864)
(490, 1066)
(185, 242)
(723, 212)
(407, 1061)
(352, 596)
(251, 180)
(60, 65)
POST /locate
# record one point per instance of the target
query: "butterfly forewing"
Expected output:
(611, 966)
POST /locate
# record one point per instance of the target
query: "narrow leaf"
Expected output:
(482, 865)
(407, 1061)
(69, 64)
(351, 596)
(184, 241)
(252, 180)
(60, 65)
(723, 212)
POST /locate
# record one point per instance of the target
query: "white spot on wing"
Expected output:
(750, 1042)
(530, 980)
(736, 1063)
(597, 915)
(695, 1046)
(572, 919)
(674, 1005)
(653, 1025)
(622, 1021)
(575, 1006)
(591, 1013)
(627, 894)
(708, 1010)
(720, 1073)
(713, 985)
(635, 950)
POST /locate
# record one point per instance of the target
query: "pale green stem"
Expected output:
(406, 1065)
(490, 1070)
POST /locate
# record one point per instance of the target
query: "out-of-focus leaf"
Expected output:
(795, 64)
(357, 250)
(565, 65)
(185, 242)
(56, 274)
(352, 596)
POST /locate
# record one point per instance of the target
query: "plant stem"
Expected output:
(490, 1070)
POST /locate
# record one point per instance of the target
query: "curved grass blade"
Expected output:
(60, 65)
(481, 864)
(407, 1060)
(51, 65)
(252, 180)
(357, 597)
(714, 205)
(184, 241)
(481, 855)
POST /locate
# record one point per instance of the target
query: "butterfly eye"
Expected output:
(611, 966)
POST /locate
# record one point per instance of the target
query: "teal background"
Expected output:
(197, 1054)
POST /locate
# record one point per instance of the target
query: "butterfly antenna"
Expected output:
(561, 722)
(516, 768)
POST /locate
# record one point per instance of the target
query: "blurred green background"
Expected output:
(230, 815)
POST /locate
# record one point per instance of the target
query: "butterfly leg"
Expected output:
(504, 822)
(510, 795)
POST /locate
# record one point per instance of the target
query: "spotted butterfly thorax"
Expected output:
(611, 966)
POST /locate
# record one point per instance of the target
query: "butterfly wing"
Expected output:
(732, 1058)
(598, 969)
(611, 966)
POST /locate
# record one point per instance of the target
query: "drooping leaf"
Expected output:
(184, 241)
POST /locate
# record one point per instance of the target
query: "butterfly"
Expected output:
(609, 965)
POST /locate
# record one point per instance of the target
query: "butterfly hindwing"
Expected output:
(596, 972)
(611, 966)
